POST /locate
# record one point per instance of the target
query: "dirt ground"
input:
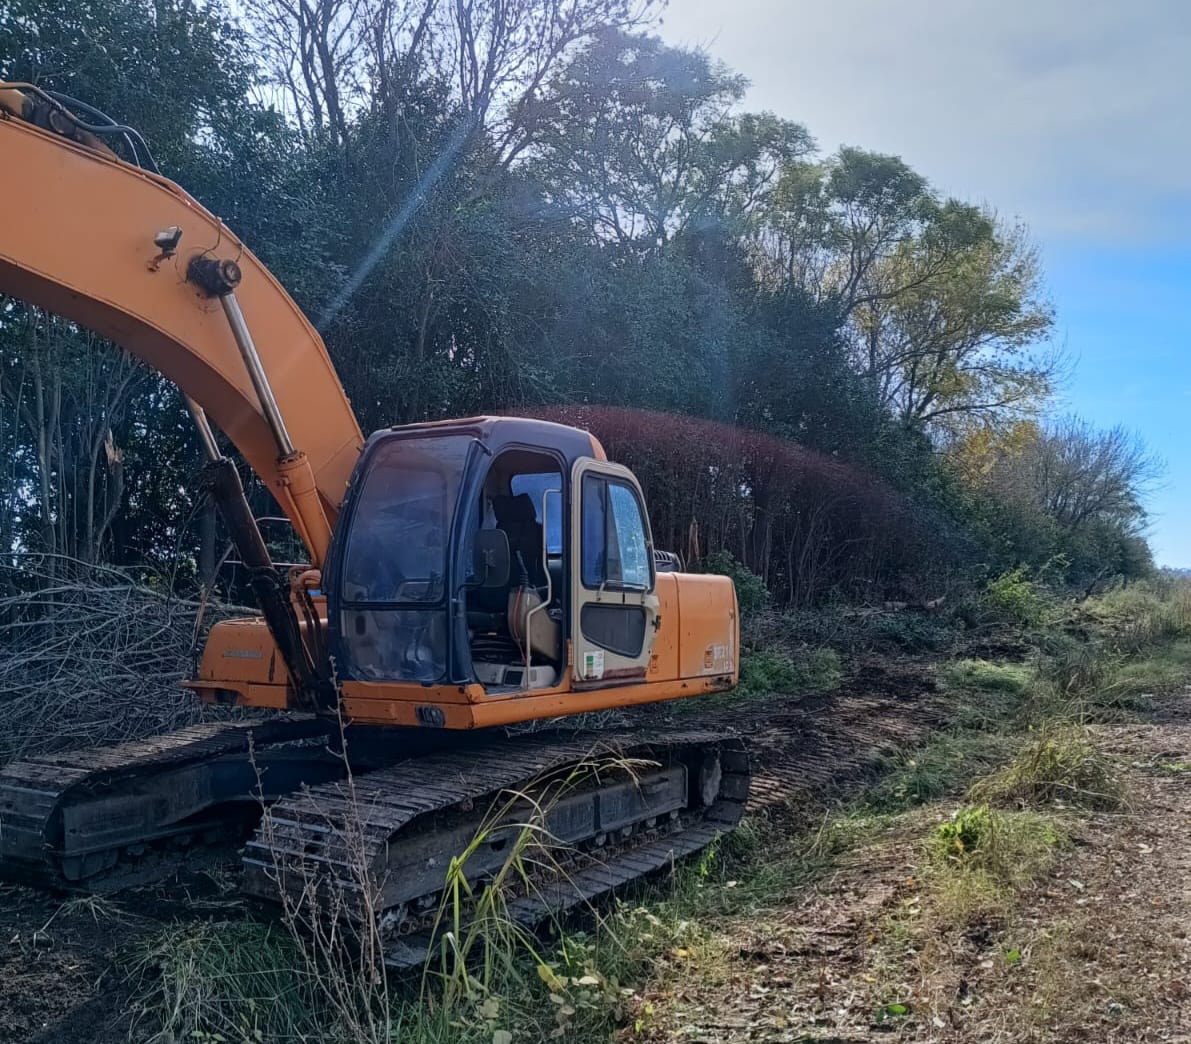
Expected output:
(68, 969)
(1098, 951)
(1100, 948)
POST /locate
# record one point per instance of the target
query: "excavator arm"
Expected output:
(131, 256)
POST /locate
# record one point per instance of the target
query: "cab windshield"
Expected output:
(396, 552)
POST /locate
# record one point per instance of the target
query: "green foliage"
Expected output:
(1060, 498)
(1061, 765)
(1012, 598)
(1160, 671)
(983, 676)
(637, 139)
(981, 856)
(772, 671)
(913, 632)
(990, 695)
(751, 593)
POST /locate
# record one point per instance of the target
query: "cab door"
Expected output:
(614, 611)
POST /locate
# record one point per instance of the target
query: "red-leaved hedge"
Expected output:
(811, 526)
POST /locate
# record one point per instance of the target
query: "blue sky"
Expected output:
(1071, 115)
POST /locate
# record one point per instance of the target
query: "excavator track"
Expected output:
(381, 845)
(615, 807)
(83, 820)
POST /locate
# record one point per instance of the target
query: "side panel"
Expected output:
(709, 627)
(663, 664)
(242, 651)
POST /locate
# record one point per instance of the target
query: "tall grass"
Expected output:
(1061, 765)
(224, 981)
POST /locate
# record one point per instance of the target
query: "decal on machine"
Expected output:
(593, 665)
(717, 659)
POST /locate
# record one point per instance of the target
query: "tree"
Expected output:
(500, 204)
(1079, 474)
(940, 303)
(1066, 495)
(829, 224)
(638, 141)
(334, 59)
(955, 341)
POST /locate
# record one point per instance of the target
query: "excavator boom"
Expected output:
(78, 239)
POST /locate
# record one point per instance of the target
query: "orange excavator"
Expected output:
(463, 575)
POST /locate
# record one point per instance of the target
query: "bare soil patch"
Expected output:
(1096, 951)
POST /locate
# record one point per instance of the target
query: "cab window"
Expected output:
(615, 548)
(537, 486)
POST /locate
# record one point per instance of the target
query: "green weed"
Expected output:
(1138, 616)
(942, 767)
(983, 676)
(981, 857)
(770, 671)
(1061, 765)
(1014, 599)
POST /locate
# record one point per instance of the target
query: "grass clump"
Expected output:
(1061, 765)
(224, 981)
(985, 676)
(1164, 670)
(942, 767)
(768, 671)
(991, 694)
(1079, 672)
(981, 857)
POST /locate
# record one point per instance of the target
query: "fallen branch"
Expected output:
(90, 654)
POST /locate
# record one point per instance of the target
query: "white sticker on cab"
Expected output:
(593, 665)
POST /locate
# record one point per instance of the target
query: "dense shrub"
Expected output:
(1012, 598)
(808, 525)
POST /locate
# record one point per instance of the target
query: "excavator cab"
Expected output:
(502, 552)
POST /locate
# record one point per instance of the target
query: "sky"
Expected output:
(1074, 117)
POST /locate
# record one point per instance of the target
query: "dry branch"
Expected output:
(90, 654)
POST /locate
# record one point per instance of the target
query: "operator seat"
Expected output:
(488, 607)
(516, 516)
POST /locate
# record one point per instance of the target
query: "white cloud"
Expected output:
(1072, 114)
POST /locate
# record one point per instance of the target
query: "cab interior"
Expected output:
(516, 606)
